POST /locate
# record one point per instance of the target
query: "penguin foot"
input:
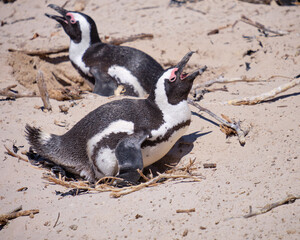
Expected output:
(58, 169)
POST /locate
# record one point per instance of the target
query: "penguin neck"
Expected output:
(77, 50)
(94, 36)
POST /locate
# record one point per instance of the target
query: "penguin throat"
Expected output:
(76, 52)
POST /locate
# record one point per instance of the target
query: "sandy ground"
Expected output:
(264, 171)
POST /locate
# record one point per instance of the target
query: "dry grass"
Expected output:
(106, 184)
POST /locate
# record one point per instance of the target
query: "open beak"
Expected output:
(63, 12)
(182, 64)
(184, 61)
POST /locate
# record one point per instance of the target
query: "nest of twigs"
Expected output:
(106, 184)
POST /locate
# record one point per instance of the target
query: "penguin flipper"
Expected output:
(105, 85)
(129, 155)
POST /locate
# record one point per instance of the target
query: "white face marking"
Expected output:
(172, 114)
(124, 76)
(77, 50)
(108, 158)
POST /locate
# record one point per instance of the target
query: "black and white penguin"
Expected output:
(124, 135)
(106, 66)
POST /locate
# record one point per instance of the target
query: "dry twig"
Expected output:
(119, 41)
(217, 30)
(265, 96)
(196, 10)
(223, 80)
(261, 26)
(269, 207)
(199, 93)
(187, 168)
(209, 165)
(65, 48)
(143, 175)
(225, 125)
(267, 2)
(41, 52)
(115, 191)
(11, 153)
(59, 94)
(43, 90)
(185, 210)
(58, 215)
(184, 173)
(8, 92)
(4, 218)
(68, 184)
(66, 93)
(22, 189)
(233, 125)
(146, 8)
(118, 192)
(226, 129)
(22, 19)
(152, 182)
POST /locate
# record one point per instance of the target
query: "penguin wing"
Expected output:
(105, 85)
(129, 155)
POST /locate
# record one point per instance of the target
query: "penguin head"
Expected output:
(175, 85)
(78, 26)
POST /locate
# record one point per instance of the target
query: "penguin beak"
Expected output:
(63, 12)
(184, 61)
(180, 66)
(192, 76)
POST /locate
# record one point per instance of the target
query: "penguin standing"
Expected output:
(106, 66)
(124, 135)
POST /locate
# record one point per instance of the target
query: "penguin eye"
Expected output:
(71, 18)
(173, 75)
(172, 78)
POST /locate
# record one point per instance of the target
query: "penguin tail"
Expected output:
(45, 144)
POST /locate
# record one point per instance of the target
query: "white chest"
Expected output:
(152, 154)
(174, 115)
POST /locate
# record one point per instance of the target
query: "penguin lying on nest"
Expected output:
(106, 66)
(124, 135)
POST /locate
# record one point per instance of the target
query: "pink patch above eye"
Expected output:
(173, 75)
(72, 20)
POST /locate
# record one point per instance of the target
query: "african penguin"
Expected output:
(124, 135)
(106, 66)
